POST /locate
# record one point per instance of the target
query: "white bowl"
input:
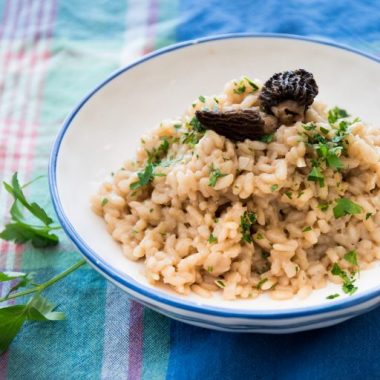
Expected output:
(105, 129)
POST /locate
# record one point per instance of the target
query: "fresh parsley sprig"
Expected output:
(38, 308)
(37, 228)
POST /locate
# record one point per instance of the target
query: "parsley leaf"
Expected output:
(21, 231)
(261, 283)
(316, 176)
(220, 283)
(345, 206)
(332, 296)
(335, 114)
(351, 257)
(267, 138)
(145, 177)
(333, 161)
(254, 86)
(368, 215)
(288, 194)
(202, 99)
(215, 174)
(348, 286)
(13, 317)
(307, 229)
(212, 239)
(246, 222)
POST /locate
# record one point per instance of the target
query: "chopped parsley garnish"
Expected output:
(335, 114)
(307, 229)
(324, 206)
(348, 286)
(325, 131)
(104, 201)
(309, 126)
(274, 187)
(351, 257)
(215, 174)
(240, 90)
(156, 154)
(210, 269)
(197, 126)
(265, 254)
(261, 283)
(267, 138)
(202, 99)
(212, 239)
(345, 206)
(258, 236)
(332, 296)
(368, 215)
(196, 132)
(145, 177)
(216, 100)
(177, 126)
(254, 86)
(288, 194)
(246, 222)
(316, 176)
(220, 283)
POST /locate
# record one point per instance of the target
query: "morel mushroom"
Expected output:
(238, 125)
(287, 95)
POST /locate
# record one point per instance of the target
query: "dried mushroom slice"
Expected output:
(238, 125)
(287, 95)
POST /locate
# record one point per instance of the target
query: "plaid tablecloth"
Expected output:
(51, 53)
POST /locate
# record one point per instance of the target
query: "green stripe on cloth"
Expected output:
(156, 345)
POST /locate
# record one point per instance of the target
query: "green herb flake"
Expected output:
(335, 114)
(216, 100)
(254, 86)
(220, 283)
(202, 99)
(212, 239)
(104, 201)
(274, 187)
(323, 206)
(267, 138)
(261, 283)
(332, 296)
(325, 131)
(288, 193)
(307, 229)
(246, 222)
(351, 257)
(316, 176)
(177, 126)
(240, 90)
(368, 215)
(309, 127)
(345, 206)
(258, 236)
(145, 177)
(215, 174)
(348, 286)
(210, 269)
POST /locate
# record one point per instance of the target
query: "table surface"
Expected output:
(51, 53)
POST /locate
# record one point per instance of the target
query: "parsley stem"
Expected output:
(41, 287)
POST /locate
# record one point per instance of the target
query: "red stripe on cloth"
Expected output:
(135, 341)
(151, 27)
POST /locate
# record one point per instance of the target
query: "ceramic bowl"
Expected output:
(105, 128)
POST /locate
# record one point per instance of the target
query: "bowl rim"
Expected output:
(158, 295)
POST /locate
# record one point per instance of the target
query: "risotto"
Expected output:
(284, 211)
